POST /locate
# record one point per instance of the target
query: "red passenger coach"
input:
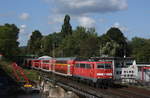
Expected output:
(96, 72)
(36, 63)
(46, 64)
(64, 66)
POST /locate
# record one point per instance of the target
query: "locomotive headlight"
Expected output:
(100, 74)
(109, 74)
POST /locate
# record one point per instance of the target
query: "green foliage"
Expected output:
(66, 27)
(34, 44)
(46, 43)
(23, 50)
(82, 42)
(8, 40)
(140, 49)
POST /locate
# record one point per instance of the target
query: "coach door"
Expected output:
(82, 67)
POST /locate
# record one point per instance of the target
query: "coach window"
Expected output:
(82, 65)
(45, 61)
(88, 66)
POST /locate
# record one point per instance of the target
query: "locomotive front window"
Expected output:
(107, 66)
(104, 65)
(100, 66)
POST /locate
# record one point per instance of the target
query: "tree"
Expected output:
(140, 49)
(113, 43)
(66, 27)
(34, 43)
(8, 40)
(110, 48)
(46, 45)
(90, 45)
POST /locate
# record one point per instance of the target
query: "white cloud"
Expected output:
(86, 21)
(90, 6)
(55, 19)
(22, 28)
(24, 16)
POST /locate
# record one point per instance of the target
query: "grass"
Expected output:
(31, 74)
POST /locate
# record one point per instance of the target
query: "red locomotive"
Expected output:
(96, 72)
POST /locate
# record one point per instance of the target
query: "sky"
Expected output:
(131, 16)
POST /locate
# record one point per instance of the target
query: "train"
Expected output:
(99, 73)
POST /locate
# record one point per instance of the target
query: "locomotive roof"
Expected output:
(111, 58)
(66, 58)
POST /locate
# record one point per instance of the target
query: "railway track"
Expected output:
(87, 91)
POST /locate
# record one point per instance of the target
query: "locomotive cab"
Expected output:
(104, 70)
(104, 73)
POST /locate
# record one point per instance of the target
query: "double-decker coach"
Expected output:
(64, 66)
(46, 63)
(36, 63)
